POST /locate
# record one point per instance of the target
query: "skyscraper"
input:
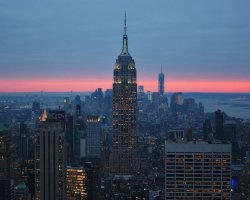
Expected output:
(50, 172)
(123, 158)
(69, 135)
(24, 141)
(161, 83)
(230, 130)
(4, 163)
(219, 130)
(197, 170)
(78, 127)
(93, 136)
(108, 102)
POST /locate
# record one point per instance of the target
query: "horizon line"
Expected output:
(88, 86)
(73, 91)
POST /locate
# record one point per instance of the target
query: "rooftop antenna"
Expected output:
(125, 24)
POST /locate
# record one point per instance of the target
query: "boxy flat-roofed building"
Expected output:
(197, 170)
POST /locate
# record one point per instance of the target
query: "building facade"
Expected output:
(79, 128)
(219, 130)
(93, 136)
(76, 183)
(24, 141)
(123, 158)
(4, 163)
(197, 171)
(50, 166)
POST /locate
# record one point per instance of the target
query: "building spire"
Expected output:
(125, 24)
(161, 68)
(125, 39)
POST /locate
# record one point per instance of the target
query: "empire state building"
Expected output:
(124, 158)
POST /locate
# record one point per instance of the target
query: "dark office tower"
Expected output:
(24, 141)
(230, 130)
(108, 102)
(161, 83)
(92, 170)
(4, 163)
(79, 132)
(78, 127)
(93, 136)
(123, 158)
(189, 134)
(207, 129)
(77, 106)
(50, 166)
(219, 132)
(70, 136)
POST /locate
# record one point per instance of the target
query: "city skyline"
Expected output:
(52, 46)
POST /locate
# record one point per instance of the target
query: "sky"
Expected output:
(63, 45)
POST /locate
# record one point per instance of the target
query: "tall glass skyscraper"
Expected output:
(123, 158)
(161, 83)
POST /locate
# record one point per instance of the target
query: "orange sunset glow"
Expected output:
(88, 86)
